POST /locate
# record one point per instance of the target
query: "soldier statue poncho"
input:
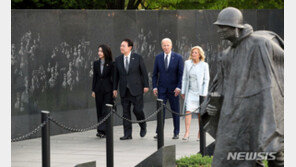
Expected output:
(251, 81)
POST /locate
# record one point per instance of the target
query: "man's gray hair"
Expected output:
(167, 39)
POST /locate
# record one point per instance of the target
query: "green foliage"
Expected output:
(195, 161)
(214, 4)
(265, 163)
(146, 4)
(198, 160)
(58, 4)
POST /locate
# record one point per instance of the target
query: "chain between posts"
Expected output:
(76, 129)
(62, 125)
(137, 121)
(23, 137)
(193, 112)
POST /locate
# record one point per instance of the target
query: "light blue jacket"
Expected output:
(203, 78)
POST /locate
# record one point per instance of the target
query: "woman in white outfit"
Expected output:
(195, 84)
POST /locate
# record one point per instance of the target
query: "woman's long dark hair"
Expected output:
(107, 53)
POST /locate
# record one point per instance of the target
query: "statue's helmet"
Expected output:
(230, 17)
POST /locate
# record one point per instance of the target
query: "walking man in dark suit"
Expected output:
(167, 79)
(131, 74)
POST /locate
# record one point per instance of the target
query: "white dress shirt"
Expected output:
(128, 59)
(169, 57)
(102, 65)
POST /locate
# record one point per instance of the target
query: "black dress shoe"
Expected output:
(176, 137)
(126, 138)
(101, 135)
(143, 132)
(155, 137)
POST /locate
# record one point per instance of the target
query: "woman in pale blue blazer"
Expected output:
(195, 82)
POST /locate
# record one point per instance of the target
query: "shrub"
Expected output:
(199, 161)
(195, 161)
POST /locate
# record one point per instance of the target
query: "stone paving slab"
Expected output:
(68, 150)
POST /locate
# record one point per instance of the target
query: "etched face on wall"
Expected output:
(166, 45)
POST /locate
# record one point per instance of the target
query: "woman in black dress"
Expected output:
(102, 86)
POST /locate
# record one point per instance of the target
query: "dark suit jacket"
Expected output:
(170, 79)
(136, 78)
(103, 82)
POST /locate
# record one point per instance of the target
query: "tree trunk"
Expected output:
(115, 4)
(133, 4)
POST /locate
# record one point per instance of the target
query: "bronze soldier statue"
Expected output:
(249, 121)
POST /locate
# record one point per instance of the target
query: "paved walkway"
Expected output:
(68, 150)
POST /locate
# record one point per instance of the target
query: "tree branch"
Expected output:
(130, 4)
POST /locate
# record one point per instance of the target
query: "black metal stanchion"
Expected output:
(45, 139)
(202, 138)
(109, 138)
(160, 133)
